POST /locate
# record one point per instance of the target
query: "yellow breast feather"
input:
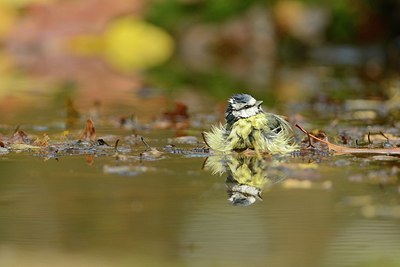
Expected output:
(262, 132)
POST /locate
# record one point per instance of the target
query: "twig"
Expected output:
(387, 138)
(16, 129)
(309, 141)
(148, 148)
(204, 139)
(116, 145)
(369, 139)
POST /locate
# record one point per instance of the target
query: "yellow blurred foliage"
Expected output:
(86, 45)
(6, 63)
(7, 19)
(20, 3)
(9, 81)
(128, 44)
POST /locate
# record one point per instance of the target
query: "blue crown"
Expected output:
(240, 98)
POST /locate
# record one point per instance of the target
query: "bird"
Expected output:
(249, 127)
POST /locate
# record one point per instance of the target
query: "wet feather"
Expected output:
(249, 127)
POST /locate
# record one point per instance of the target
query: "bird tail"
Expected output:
(281, 139)
(215, 139)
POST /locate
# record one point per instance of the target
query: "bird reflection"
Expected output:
(246, 176)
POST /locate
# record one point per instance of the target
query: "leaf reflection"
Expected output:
(246, 176)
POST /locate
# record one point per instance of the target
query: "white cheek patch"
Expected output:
(245, 113)
(252, 102)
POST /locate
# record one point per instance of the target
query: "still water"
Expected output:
(173, 211)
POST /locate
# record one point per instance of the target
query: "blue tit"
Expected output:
(249, 127)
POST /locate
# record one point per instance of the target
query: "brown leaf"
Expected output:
(89, 133)
(19, 137)
(43, 142)
(23, 147)
(337, 149)
(178, 114)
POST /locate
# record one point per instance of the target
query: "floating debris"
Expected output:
(306, 184)
(184, 140)
(23, 147)
(125, 170)
(194, 152)
(4, 151)
(338, 149)
(89, 133)
(151, 152)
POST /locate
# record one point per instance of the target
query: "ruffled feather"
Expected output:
(264, 132)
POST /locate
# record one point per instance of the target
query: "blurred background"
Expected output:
(116, 51)
(143, 66)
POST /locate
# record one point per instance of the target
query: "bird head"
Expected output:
(242, 106)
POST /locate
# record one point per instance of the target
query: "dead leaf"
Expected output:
(23, 147)
(177, 118)
(151, 152)
(337, 149)
(4, 151)
(385, 158)
(19, 137)
(42, 142)
(89, 133)
(178, 114)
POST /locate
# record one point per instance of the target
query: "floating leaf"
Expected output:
(42, 142)
(24, 147)
(4, 151)
(89, 133)
(180, 113)
(337, 149)
(177, 118)
(19, 137)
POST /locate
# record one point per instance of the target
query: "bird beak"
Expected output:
(258, 103)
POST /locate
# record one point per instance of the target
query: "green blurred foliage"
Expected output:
(222, 9)
(172, 14)
(343, 21)
(215, 82)
(349, 23)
